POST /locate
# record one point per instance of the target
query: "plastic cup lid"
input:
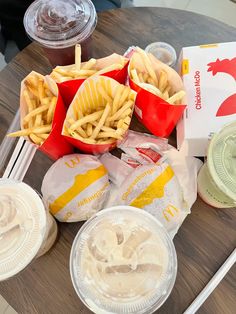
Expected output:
(163, 52)
(123, 261)
(221, 159)
(22, 226)
(59, 23)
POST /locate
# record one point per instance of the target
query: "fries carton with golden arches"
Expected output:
(42, 115)
(70, 77)
(161, 95)
(99, 115)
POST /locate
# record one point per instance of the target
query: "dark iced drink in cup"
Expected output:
(58, 25)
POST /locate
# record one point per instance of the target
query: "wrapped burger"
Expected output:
(153, 176)
(75, 187)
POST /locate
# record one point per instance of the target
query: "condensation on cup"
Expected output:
(27, 230)
(123, 261)
(217, 177)
(58, 25)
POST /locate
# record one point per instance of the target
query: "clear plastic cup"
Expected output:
(163, 52)
(217, 177)
(58, 25)
(123, 261)
(27, 231)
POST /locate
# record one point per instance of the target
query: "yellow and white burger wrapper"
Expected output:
(75, 187)
(164, 181)
(154, 188)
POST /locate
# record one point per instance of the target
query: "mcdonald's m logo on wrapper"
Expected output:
(169, 212)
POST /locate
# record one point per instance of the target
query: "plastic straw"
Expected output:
(212, 284)
(20, 160)
(8, 142)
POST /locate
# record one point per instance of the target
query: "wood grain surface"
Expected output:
(206, 237)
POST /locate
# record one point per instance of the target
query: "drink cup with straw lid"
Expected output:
(217, 178)
(58, 25)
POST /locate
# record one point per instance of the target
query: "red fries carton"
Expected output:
(209, 74)
(69, 79)
(99, 115)
(32, 97)
(156, 84)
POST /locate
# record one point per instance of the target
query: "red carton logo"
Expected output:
(228, 106)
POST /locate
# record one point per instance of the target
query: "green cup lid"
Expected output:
(221, 159)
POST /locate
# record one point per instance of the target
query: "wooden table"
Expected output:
(206, 237)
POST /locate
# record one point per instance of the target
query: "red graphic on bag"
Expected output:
(228, 106)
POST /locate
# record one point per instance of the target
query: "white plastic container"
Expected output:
(163, 52)
(217, 178)
(26, 229)
(123, 261)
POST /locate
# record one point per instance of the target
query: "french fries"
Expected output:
(83, 70)
(100, 112)
(156, 83)
(40, 104)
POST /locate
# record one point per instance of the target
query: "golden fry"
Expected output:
(103, 128)
(120, 123)
(103, 93)
(126, 113)
(38, 120)
(101, 121)
(89, 118)
(145, 77)
(151, 81)
(80, 138)
(89, 129)
(34, 112)
(89, 64)
(51, 110)
(117, 115)
(36, 139)
(26, 132)
(77, 57)
(86, 73)
(124, 96)
(176, 97)
(106, 141)
(134, 75)
(44, 136)
(141, 78)
(148, 65)
(116, 101)
(109, 134)
(163, 81)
